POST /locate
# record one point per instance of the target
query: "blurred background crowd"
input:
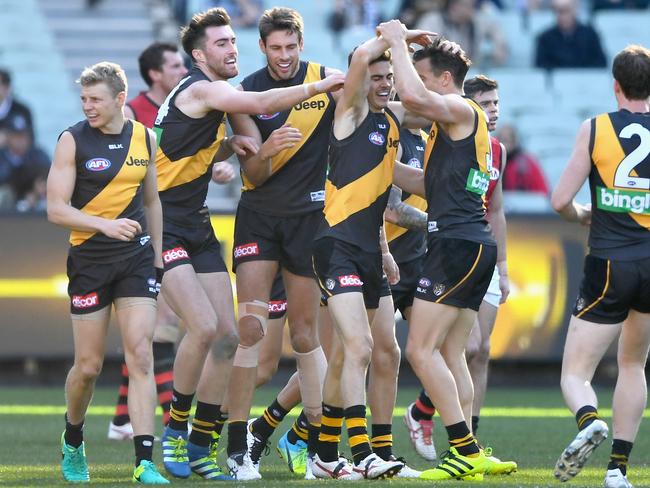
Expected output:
(550, 58)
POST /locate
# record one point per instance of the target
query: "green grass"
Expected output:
(528, 426)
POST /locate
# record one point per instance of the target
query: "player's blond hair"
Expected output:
(105, 72)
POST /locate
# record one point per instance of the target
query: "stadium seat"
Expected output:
(522, 91)
(584, 92)
(618, 28)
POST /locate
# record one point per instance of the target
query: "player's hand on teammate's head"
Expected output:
(422, 37)
(451, 46)
(223, 172)
(392, 31)
(331, 83)
(242, 145)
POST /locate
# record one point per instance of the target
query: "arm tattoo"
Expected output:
(409, 217)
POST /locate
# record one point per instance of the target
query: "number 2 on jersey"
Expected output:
(622, 177)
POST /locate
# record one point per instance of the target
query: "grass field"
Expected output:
(528, 426)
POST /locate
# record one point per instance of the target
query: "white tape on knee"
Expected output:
(312, 367)
(248, 356)
(257, 309)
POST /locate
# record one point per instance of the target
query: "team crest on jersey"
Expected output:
(97, 164)
(494, 174)
(330, 284)
(580, 304)
(267, 116)
(415, 163)
(377, 138)
(438, 289)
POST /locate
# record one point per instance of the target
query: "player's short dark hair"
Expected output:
(442, 60)
(153, 58)
(479, 84)
(193, 34)
(385, 56)
(631, 68)
(5, 77)
(281, 19)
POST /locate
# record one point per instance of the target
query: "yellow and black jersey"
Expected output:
(457, 175)
(620, 185)
(297, 183)
(110, 169)
(406, 245)
(359, 181)
(186, 149)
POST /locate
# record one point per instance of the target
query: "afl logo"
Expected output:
(268, 116)
(377, 138)
(415, 163)
(424, 283)
(98, 164)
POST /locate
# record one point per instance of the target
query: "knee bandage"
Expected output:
(312, 367)
(247, 356)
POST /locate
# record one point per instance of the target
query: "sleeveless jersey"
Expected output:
(620, 185)
(110, 171)
(359, 181)
(495, 173)
(186, 149)
(457, 175)
(144, 109)
(297, 183)
(406, 245)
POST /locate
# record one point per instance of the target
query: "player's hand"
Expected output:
(504, 286)
(243, 144)
(451, 47)
(223, 172)
(584, 213)
(280, 139)
(392, 31)
(122, 229)
(421, 37)
(331, 83)
(390, 268)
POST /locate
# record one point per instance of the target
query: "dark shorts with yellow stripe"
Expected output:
(456, 272)
(287, 240)
(94, 283)
(404, 291)
(610, 288)
(278, 301)
(197, 246)
(344, 268)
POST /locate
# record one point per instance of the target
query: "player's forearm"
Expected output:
(371, 49)
(279, 99)
(410, 217)
(225, 150)
(383, 242)
(408, 84)
(65, 215)
(153, 214)
(497, 221)
(256, 168)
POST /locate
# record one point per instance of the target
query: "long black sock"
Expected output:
(300, 429)
(620, 455)
(203, 423)
(237, 437)
(143, 448)
(74, 434)
(180, 411)
(382, 440)
(585, 416)
(462, 439)
(357, 426)
(273, 415)
(330, 433)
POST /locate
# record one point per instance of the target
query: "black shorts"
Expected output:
(343, 268)
(288, 240)
(197, 246)
(456, 272)
(404, 291)
(609, 289)
(278, 301)
(94, 284)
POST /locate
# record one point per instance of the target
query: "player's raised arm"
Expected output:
(411, 89)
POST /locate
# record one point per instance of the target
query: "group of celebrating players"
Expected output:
(349, 211)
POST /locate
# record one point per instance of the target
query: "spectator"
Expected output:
(31, 185)
(410, 11)
(523, 171)
(619, 5)
(20, 161)
(569, 43)
(11, 110)
(480, 37)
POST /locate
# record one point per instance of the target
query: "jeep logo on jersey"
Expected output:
(268, 116)
(377, 138)
(98, 164)
(137, 162)
(175, 254)
(350, 280)
(317, 104)
(415, 163)
(393, 142)
(85, 301)
(250, 249)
